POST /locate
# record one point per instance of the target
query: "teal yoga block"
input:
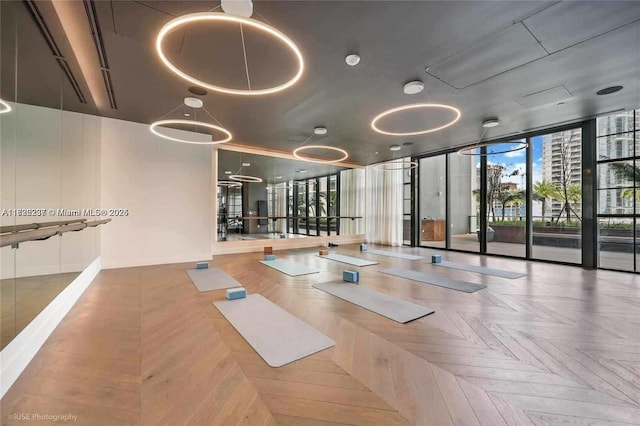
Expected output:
(269, 257)
(363, 247)
(202, 265)
(351, 276)
(436, 258)
(236, 293)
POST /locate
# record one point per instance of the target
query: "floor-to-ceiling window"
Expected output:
(506, 197)
(557, 196)
(407, 207)
(433, 201)
(618, 157)
(464, 212)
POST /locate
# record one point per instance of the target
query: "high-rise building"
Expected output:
(562, 160)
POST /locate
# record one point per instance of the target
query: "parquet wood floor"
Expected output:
(142, 346)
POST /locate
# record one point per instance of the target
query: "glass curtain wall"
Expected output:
(557, 196)
(433, 205)
(618, 157)
(553, 191)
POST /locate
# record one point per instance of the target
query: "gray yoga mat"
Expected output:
(383, 304)
(481, 270)
(355, 261)
(277, 336)
(394, 254)
(315, 250)
(435, 279)
(288, 267)
(209, 279)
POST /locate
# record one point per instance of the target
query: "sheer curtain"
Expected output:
(352, 201)
(383, 219)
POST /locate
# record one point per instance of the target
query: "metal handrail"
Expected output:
(16, 238)
(25, 227)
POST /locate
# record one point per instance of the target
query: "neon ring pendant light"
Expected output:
(469, 150)
(223, 17)
(296, 153)
(374, 123)
(153, 127)
(245, 178)
(393, 165)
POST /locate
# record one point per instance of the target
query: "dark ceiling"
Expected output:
(532, 64)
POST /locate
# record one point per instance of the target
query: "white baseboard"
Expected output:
(15, 357)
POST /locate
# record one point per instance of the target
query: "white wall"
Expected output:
(49, 160)
(166, 186)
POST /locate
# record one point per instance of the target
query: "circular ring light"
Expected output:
(391, 166)
(296, 153)
(469, 150)
(410, 107)
(155, 124)
(223, 17)
(4, 107)
(245, 178)
(229, 183)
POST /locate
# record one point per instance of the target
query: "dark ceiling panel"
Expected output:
(396, 41)
(568, 23)
(506, 50)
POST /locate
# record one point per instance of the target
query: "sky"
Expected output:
(517, 160)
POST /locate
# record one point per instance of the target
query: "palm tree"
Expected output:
(628, 193)
(543, 191)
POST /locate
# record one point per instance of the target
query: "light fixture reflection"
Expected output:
(471, 150)
(4, 107)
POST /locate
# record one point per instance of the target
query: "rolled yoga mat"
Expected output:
(382, 304)
(277, 336)
(355, 261)
(481, 270)
(288, 267)
(435, 279)
(394, 254)
(209, 279)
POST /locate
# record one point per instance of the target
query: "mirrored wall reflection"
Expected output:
(286, 198)
(49, 169)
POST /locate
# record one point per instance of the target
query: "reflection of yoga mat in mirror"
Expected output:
(394, 254)
(209, 279)
(388, 306)
(277, 336)
(434, 279)
(288, 267)
(348, 259)
(481, 270)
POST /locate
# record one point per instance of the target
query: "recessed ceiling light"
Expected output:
(246, 164)
(352, 60)
(186, 114)
(227, 172)
(413, 87)
(192, 102)
(376, 152)
(182, 22)
(609, 90)
(490, 122)
(395, 148)
(198, 91)
(407, 144)
(320, 130)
